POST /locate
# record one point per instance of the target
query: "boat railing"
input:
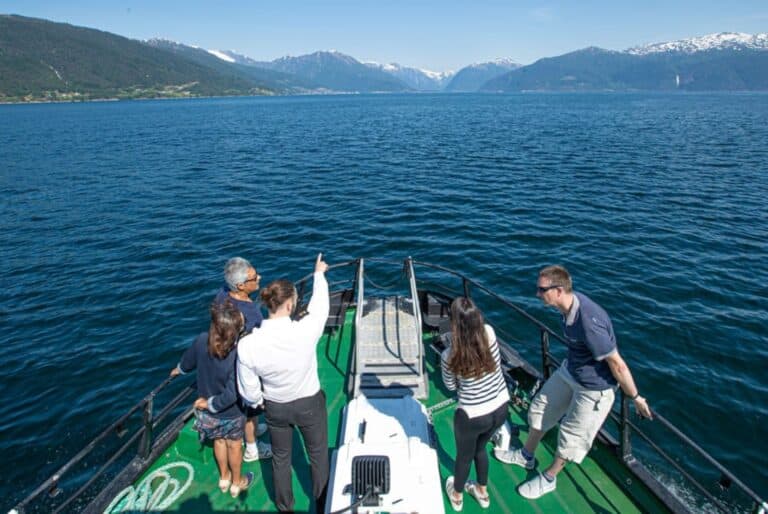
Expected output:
(626, 427)
(148, 445)
(360, 299)
(417, 313)
(144, 434)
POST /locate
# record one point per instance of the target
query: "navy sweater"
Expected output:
(251, 310)
(215, 377)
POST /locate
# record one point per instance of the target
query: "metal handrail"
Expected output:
(667, 457)
(466, 282)
(625, 426)
(52, 482)
(417, 313)
(358, 318)
(305, 278)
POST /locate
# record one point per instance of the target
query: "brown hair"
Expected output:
(226, 325)
(558, 276)
(470, 355)
(277, 293)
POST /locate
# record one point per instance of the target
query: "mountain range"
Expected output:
(717, 62)
(42, 60)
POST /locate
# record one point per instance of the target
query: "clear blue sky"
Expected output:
(438, 35)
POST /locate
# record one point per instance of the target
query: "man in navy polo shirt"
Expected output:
(581, 391)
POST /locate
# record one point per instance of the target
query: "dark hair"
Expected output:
(226, 325)
(558, 276)
(277, 293)
(470, 355)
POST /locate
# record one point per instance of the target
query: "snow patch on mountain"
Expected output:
(437, 75)
(503, 62)
(418, 79)
(720, 41)
(221, 55)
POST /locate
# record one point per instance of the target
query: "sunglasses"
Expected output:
(543, 290)
(254, 279)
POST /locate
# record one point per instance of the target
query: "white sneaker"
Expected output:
(261, 429)
(263, 451)
(474, 489)
(536, 487)
(515, 457)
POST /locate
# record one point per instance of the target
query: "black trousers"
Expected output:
(310, 416)
(472, 434)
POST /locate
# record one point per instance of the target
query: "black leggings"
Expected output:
(472, 434)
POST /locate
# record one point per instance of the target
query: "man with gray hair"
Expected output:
(242, 281)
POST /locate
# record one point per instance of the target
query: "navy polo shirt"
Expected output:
(251, 310)
(590, 339)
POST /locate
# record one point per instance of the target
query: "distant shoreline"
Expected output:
(348, 93)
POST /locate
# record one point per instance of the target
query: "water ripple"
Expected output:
(117, 219)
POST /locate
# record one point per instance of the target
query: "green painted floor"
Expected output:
(587, 488)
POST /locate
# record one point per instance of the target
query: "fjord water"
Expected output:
(118, 217)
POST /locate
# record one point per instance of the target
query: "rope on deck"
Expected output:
(439, 406)
(143, 498)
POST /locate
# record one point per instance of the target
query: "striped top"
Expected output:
(482, 395)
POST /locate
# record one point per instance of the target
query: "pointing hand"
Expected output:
(320, 264)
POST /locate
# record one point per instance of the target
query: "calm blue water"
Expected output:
(117, 219)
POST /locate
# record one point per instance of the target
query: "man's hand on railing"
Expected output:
(642, 407)
(175, 372)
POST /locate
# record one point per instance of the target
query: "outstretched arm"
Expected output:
(188, 361)
(623, 376)
(313, 323)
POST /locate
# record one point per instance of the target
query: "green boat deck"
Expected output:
(600, 484)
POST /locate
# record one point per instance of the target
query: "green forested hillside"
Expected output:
(265, 78)
(43, 60)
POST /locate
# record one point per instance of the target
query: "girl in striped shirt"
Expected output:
(472, 365)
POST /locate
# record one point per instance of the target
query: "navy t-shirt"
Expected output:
(590, 339)
(215, 377)
(251, 310)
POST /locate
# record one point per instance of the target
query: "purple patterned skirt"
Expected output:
(210, 427)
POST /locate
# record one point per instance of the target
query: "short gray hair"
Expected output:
(236, 272)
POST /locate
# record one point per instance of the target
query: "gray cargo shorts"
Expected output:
(583, 412)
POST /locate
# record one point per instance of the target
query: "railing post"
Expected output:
(625, 443)
(145, 445)
(296, 314)
(465, 283)
(545, 353)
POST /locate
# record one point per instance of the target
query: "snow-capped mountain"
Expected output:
(472, 77)
(501, 63)
(420, 80)
(721, 41)
(337, 72)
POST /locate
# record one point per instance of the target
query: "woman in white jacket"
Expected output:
(281, 356)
